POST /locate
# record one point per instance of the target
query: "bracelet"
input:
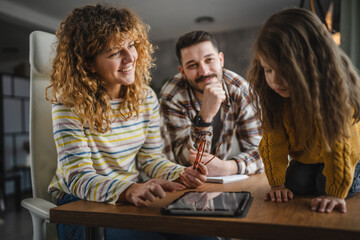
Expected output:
(238, 165)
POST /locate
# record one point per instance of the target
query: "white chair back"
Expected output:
(42, 146)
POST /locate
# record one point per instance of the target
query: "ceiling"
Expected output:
(167, 19)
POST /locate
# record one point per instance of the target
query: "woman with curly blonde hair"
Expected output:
(106, 117)
(307, 94)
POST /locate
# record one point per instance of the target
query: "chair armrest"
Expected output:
(38, 206)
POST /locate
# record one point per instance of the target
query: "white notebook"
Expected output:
(227, 179)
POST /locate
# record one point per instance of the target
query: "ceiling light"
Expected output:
(204, 20)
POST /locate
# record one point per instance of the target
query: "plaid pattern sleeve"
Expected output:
(176, 115)
(237, 116)
(248, 126)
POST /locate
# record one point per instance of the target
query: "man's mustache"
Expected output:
(202, 78)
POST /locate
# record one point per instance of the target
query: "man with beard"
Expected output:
(208, 102)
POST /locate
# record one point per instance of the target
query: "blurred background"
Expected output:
(234, 23)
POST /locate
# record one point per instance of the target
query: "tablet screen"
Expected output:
(210, 203)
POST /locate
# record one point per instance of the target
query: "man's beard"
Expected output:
(200, 79)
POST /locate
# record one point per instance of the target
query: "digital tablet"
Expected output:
(227, 204)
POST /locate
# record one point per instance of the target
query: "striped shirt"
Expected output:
(100, 166)
(236, 114)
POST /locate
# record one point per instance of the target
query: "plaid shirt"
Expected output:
(236, 113)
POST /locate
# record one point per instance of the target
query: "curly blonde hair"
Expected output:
(324, 87)
(82, 36)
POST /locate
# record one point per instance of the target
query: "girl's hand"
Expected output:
(327, 204)
(279, 194)
(193, 178)
(141, 194)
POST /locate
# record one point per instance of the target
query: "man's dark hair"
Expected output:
(193, 38)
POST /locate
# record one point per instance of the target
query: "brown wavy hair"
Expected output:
(324, 87)
(82, 36)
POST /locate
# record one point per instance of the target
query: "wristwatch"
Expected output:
(200, 123)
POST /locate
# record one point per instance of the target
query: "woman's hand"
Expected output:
(141, 194)
(193, 178)
(327, 204)
(279, 194)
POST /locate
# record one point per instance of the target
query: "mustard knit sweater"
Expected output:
(339, 164)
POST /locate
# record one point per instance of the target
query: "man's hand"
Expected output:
(141, 194)
(213, 96)
(325, 204)
(193, 178)
(279, 194)
(216, 167)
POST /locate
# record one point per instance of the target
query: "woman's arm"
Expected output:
(152, 159)
(75, 172)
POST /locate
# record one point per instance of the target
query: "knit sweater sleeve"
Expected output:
(274, 149)
(339, 169)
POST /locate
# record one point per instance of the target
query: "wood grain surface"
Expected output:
(265, 220)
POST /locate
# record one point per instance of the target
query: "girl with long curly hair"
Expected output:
(106, 117)
(306, 92)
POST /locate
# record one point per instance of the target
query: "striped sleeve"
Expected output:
(75, 172)
(150, 156)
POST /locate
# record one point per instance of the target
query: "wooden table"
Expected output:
(265, 220)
